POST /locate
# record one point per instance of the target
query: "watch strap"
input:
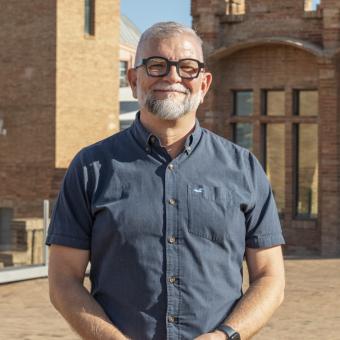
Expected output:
(231, 333)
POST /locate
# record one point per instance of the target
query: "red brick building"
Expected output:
(59, 81)
(276, 70)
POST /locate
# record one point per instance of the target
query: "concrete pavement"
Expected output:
(311, 309)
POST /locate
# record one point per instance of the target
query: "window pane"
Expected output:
(5, 228)
(244, 135)
(243, 103)
(275, 103)
(235, 7)
(307, 203)
(89, 16)
(308, 103)
(275, 161)
(311, 5)
(122, 74)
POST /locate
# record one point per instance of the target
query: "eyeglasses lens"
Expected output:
(188, 68)
(158, 67)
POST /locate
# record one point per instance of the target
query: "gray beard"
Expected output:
(170, 109)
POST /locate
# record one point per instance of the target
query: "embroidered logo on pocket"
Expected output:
(198, 190)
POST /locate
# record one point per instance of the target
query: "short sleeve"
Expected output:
(263, 228)
(71, 220)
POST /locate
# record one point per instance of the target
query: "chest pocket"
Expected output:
(209, 209)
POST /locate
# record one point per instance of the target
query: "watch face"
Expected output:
(235, 336)
(231, 333)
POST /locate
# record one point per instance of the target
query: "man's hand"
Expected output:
(217, 335)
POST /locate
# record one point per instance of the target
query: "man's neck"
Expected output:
(172, 133)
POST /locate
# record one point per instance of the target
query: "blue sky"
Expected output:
(147, 12)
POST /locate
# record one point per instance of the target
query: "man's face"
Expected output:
(170, 97)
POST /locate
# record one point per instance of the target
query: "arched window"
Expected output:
(270, 99)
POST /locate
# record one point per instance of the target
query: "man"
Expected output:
(165, 211)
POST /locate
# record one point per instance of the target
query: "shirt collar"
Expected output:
(143, 136)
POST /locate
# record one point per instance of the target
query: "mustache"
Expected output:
(172, 87)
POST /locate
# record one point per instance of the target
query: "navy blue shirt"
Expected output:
(166, 236)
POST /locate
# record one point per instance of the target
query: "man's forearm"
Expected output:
(83, 312)
(256, 307)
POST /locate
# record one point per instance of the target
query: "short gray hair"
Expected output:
(164, 30)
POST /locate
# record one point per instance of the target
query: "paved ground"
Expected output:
(311, 309)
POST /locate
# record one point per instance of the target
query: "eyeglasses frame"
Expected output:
(170, 63)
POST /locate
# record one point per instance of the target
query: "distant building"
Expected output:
(59, 92)
(276, 92)
(129, 37)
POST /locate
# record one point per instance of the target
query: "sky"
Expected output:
(147, 12)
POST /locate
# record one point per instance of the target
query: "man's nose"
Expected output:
(173, 76)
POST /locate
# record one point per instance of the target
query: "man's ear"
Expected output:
(132, 78)
(206, 82)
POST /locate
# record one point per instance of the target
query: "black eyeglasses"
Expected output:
(160, 67)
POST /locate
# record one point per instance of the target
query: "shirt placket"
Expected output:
(172, 253)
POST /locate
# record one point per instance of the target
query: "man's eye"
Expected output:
(188, 69)
(156, 66)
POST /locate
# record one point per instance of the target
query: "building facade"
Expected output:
(59, 80)
(276, 91)
(129, 37)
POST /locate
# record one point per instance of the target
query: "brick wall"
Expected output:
(27, 100)
(87, 77)
(59, 92)
(277, 45)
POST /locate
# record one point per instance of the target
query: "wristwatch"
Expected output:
(229, 332)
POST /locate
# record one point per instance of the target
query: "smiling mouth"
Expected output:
(169, 91)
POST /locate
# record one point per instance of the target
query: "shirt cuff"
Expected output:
(265, 241)
(67, 241)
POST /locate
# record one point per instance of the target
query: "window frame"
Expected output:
(126, 83)
(296, 102)
(296, 174)
(234, 103)
(234, 129)
(264, 102)
(89, 17)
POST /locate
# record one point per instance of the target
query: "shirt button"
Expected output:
(147, 149)
(171, 167)
(172, 201)
(171, 319)
(172, 239)
(153, 139)
(172, 279)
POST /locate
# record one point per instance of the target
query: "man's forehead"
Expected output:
(185, 44)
